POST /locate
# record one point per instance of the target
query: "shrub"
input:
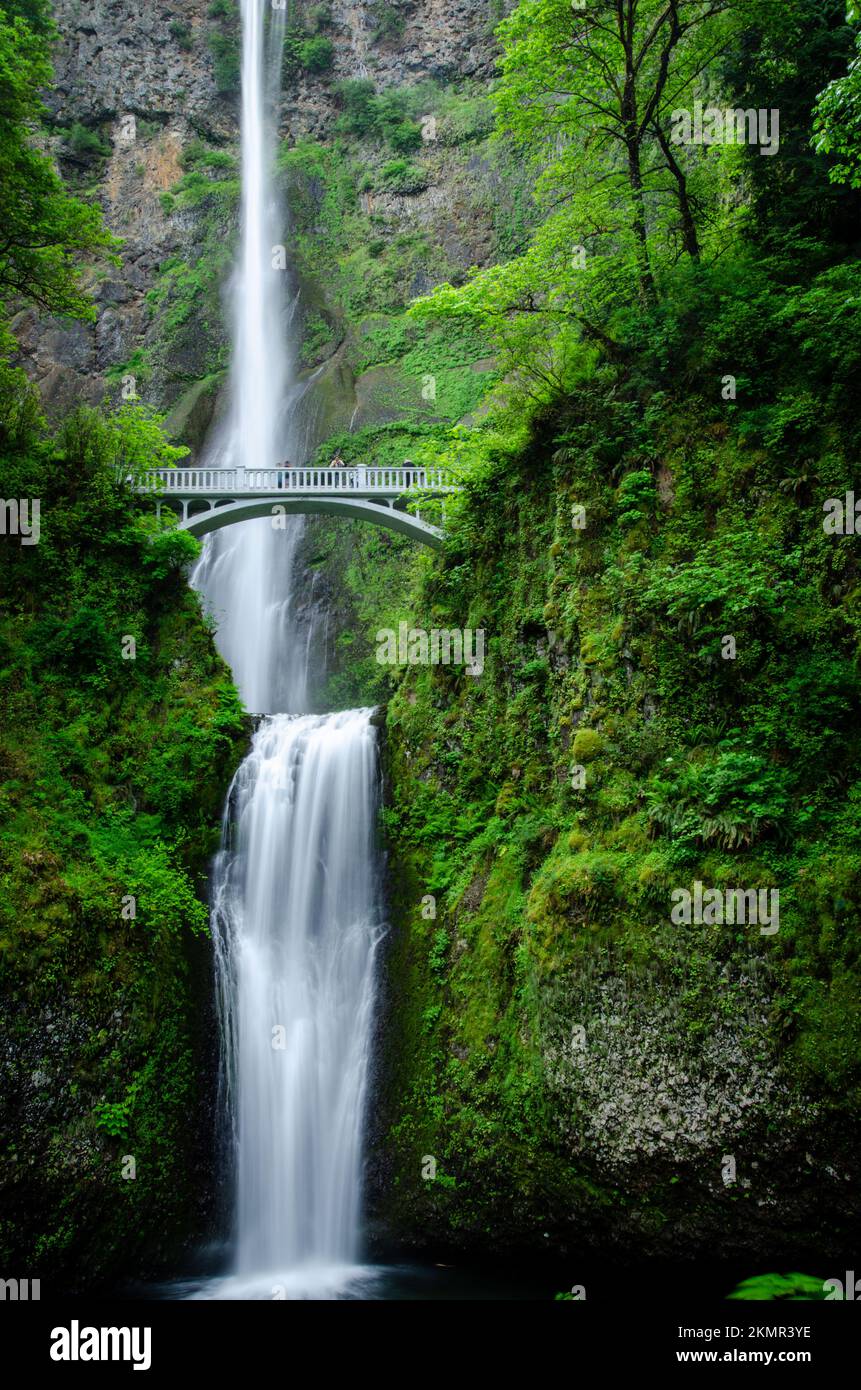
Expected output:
(317, 54)
(399, 176)
(732, 801)
(225, 60)
(358, 99)
(587, 745)
(169, 552)
(636, 497)
(86, 143)
(320, 17)
(224, 46)
(390, 24)
(181, 34)
(405, 137)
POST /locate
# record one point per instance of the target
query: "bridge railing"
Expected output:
(392, 481)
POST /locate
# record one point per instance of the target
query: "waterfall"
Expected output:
(246, 571)
(295, 886)
(297, 923)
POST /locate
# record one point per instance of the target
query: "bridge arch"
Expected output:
(378, 514)
(208, 499)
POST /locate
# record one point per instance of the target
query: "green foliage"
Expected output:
(224, 45)
(770, 1288)
(181, 35)
(303, 52)
(87, 143)
(388, 116)
(198, 155)
(636, 497)
(390, 23)
(113, 772)
(46, 232)
(605, 648)
(405, 137)
(320, 16)
(620, 203)
(399, 176)
(317, 54)
(225, 60)
(186, 297)
(35, 13)
(358, 99)
(732, 801)
(838, 124)
(640, 276)
(792, 52)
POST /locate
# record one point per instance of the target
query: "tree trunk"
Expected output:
(644, 267)
(689, 226)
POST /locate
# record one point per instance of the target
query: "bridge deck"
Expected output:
(383, 483)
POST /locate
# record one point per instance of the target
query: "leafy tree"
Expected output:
(130, 440)
(43, 230)
(838, 120)
(224, 45)
(587, 95)
(35, 13)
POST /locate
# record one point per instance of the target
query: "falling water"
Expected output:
(295, 886)
(297, 924)
(246, 572)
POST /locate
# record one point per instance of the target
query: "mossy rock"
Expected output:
(588, 744)
(191, 417)
(589, 650)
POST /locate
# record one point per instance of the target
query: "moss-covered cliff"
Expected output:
(579, 1066)
(120, 731)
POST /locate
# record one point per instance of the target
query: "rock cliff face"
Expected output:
(119, 56)
(122, 78)
(147, 94)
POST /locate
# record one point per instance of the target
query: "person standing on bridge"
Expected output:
(285, 464)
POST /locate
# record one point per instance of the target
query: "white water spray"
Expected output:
(295, 886)
(246, 571)
(297, 924)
